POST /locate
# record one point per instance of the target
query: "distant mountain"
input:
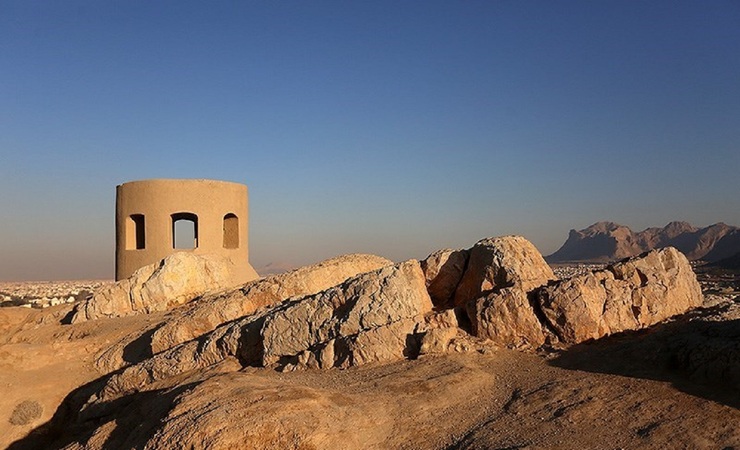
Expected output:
(608, 241)
(274, 268)
(726, 247)
(732, 262)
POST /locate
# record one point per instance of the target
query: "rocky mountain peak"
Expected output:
(678, 227)
(608, 241)
(602, 227)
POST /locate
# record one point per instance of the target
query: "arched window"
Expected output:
(231, 231)
(184, 231)
(135, 238)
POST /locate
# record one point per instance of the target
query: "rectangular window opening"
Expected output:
(184, 231)
(135, 232)
(231, 231)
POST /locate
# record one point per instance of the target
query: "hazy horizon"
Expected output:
(378, 127)
(102, 272)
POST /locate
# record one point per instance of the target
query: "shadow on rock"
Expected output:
(140, 348)
(72, 424)
(698, 352)
(61, 428)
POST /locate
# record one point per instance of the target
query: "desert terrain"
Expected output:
(82, 375)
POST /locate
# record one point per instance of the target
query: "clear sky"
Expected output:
(389, 127)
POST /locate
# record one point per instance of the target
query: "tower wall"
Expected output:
(146, 211)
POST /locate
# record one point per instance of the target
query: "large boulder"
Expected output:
(212, 310)
(443, 271)
(177, 279)
(507, 318)
(501, 262)
(368, 319)
(665, 284)
(628, 295)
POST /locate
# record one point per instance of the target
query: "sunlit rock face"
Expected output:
(501, 262)
(177, 279)
(629, 295)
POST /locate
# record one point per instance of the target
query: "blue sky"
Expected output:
(388, 127)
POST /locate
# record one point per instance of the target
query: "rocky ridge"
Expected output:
(209, 311)
(609, 241)
(217, 308)
(506, 293)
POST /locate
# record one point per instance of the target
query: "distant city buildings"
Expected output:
(43, 294)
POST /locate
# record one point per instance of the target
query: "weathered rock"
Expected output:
(507, 318)
(574, 307)
(628, 295)
(213, 310)
(376, 316)
(389, 342)
(369, 318)
(501, 262)
(226, 408)
(213, 348)
(447, 318)
(443, 271)
(177, 279)
(437, 340)
(666, 285)
(700, 346)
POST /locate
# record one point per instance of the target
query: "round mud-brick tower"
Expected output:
(155, 218)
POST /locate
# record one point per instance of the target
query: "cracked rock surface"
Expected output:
(628, 295)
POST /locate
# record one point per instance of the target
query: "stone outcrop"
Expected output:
(376, 316)
(443, 271)
(488, 285)
(509, 295)
(507, 318)
(501, 262)
(629, 295)
(702, 346)
(437, 340)
(315, 317)
(213, 310)
(371, 318)
(506, 292)
(177, 279)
